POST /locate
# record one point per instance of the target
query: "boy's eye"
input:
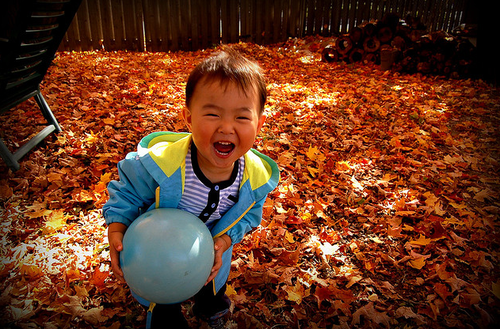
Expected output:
(243, 118)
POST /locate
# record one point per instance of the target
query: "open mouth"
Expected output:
(223, 148)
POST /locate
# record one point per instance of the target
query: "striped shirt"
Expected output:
(205, 199)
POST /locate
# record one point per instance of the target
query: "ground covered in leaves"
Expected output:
(386, 214)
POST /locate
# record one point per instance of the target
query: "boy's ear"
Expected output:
(262, 119)
(186, 114)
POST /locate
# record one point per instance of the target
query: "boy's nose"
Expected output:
(226, 127)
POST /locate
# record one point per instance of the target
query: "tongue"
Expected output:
(223, 148)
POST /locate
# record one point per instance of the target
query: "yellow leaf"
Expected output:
(458, 206)
(106, 178)
(52, 177)
(417, 263)
(313, 171)
(343, 166)
(289, 237)
(55, 220)
(422, 241)
(311, 153)
(296, 293)
(230, 290)
(32, 271)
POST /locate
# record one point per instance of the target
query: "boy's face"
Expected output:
(224, 123)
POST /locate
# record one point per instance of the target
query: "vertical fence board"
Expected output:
(132, 31)
(203, 29)
(276, 12)
(268, 22)
(336, 14)
(117, 21)
(285, 23)
(149, 20)
(234, 18)
(247, 22)
(224, 20)
(72, 36)
(183, 25)
(107, 25)
(296, 18)
(95, 22)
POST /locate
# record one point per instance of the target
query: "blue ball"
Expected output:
(167, 255)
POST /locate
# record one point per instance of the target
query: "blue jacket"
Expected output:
(153, 177)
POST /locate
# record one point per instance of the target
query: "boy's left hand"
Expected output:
(221, 244)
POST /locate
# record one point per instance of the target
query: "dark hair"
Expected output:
(229, 66)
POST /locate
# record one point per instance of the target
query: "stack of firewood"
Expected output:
(404, 46)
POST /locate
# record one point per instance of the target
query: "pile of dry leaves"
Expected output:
(386, 214)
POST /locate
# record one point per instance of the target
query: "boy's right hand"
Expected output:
(116, 231)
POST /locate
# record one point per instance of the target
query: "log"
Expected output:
(343, 44)
(371, 58)
(384, 34)
(356, 55)
(369, 30)
(356, 35)
(330, 54)
(399, 43)
(371, 44)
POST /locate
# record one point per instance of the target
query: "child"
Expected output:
(211, 172)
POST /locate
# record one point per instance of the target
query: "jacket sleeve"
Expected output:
(250, 220)
(132, 194)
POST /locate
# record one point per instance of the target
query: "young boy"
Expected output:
(212, 172)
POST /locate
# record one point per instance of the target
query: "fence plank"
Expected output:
(247, 21)
(132, 27)
(203, 30)
(95, 24)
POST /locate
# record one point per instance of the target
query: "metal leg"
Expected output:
(11, 159)
(8, 157)
(46, 111)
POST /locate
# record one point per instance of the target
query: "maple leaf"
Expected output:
(408, 313)
(312, 152)
(32, 271)
(421, 241)
(55, 220)
(483, 194)
(368, 311)
(98, 278)
(296, 293)
(23, 311)
(37, 209)
(94, 315)
(322, 294)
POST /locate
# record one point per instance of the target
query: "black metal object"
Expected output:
(30, 34)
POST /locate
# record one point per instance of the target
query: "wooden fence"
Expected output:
(170, 25)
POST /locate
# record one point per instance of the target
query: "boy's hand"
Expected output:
(221, 244)
(116, 231)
